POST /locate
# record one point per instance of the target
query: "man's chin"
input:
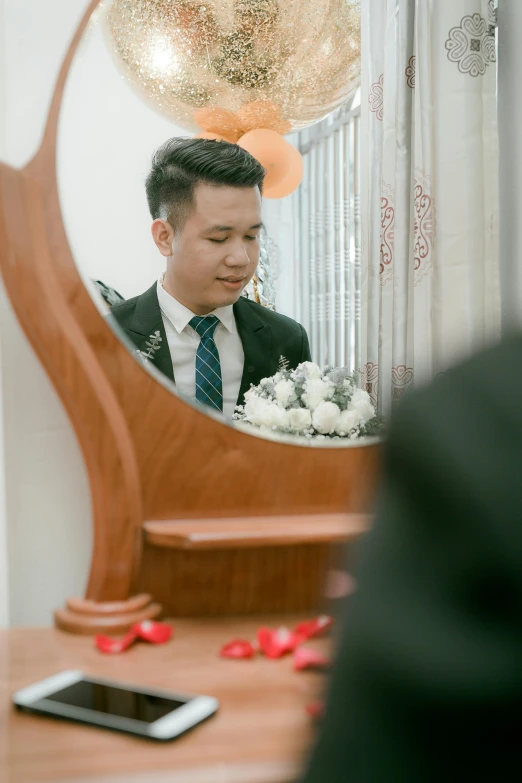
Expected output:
(227, 297)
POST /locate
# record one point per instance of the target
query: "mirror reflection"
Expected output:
(204, 199)
(245, 300)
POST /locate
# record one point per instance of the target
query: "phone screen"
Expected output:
(111, 700)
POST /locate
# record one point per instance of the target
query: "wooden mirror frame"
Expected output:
(250, 531)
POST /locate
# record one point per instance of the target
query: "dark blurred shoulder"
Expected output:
(492, 378)
(458, 444)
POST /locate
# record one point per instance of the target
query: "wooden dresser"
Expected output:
(260, 735)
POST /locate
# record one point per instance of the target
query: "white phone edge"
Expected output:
(196, 710)
(184, 718)
(27, 696)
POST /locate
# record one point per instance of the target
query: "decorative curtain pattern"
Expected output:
(429, 189)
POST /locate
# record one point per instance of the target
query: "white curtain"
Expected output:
(429, 189)
(327, 212)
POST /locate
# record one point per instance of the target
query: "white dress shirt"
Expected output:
(183, 343)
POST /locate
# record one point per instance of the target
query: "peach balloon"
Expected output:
(293, 178)
(271, 150)
(214, 119)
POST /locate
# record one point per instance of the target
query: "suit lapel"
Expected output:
(148, 332)
(256, 337)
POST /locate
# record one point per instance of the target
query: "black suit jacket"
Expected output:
(427, 686)
(266, 336)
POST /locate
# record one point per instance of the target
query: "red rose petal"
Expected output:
(304, 658)
(152, 631)
(238, 648)
(311, 628)
(107, 645)
(276, 642)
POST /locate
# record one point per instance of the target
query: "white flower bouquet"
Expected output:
(312, 403)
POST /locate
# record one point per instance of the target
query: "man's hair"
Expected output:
(181, 163)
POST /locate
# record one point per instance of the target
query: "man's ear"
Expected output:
(163, 235)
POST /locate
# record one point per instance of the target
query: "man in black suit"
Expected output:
(193, 324)
(427, 686)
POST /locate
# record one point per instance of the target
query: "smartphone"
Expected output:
(153, 714)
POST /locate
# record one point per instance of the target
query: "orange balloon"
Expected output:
(293, 178)
(223, 122)
(271, 150)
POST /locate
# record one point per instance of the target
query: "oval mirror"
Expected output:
(244, 304)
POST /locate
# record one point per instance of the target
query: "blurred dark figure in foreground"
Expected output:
(427, 685)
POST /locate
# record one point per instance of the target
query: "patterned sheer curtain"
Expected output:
(429, 190)
(328, 240)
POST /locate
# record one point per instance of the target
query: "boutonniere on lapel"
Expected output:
(152, 345)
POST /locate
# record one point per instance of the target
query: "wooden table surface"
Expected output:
(260, 734)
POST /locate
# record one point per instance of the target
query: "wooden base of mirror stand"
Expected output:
(82, 616)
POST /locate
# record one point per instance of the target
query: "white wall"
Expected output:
(45, 508)
(48, 504)
(106, 139)
(4, 575)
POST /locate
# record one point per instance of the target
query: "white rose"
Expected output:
(359, 395)
(284, 392)
(274, 417)
(310, 369)
(361, 403)
(255, 409)
(316, 391)
(348, 421)
(264, 413)
(299, 419)
(326, 417)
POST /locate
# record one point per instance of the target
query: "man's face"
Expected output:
(214, 254)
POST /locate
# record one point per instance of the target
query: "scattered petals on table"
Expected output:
(311, 628)
(153, 631)
(148, 631)
(276, 642)
(305, 658)
(238, 648)
(107, 645)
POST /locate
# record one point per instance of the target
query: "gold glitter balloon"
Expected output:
(276, 64)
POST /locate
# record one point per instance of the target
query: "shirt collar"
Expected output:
(180, 316)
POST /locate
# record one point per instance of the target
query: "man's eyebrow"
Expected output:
(231, 228)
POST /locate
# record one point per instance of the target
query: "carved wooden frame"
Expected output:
(149, 455)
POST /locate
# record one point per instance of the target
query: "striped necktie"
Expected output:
(209, 387)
